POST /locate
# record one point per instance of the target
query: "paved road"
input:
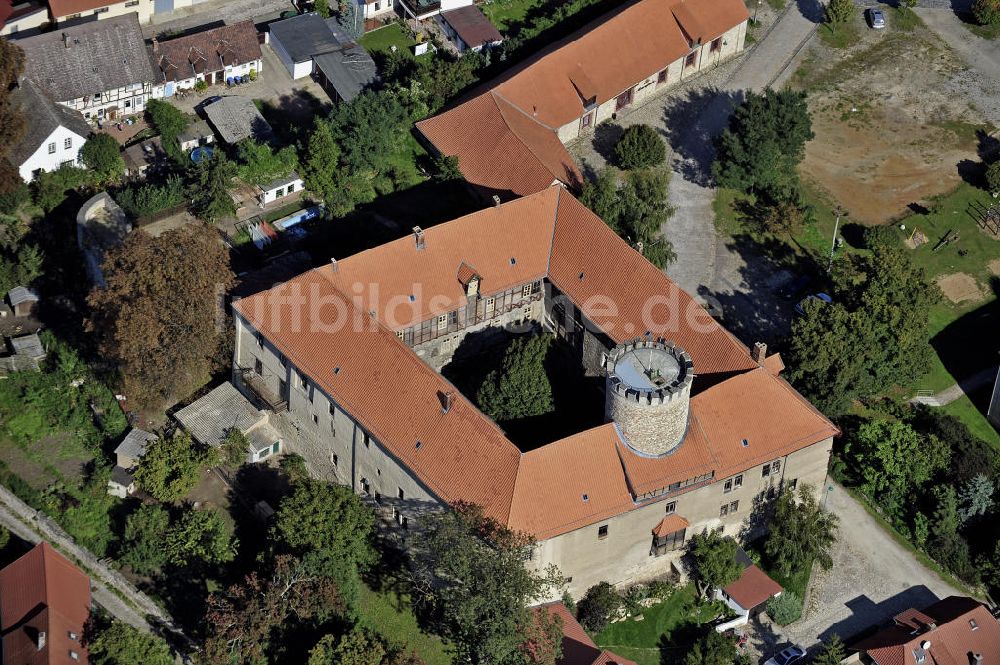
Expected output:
(213, 13)
(963, 387)
(982, 55)
(872, 579)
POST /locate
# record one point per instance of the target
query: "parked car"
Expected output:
(822, 297)
(787, 656)
(876, 19)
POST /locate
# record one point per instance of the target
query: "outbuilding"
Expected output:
(279, 189)
(22, 300)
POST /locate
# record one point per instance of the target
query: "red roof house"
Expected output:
(44, 604)
(577, 647)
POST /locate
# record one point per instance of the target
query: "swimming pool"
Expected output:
(286, 223)
(200, 154)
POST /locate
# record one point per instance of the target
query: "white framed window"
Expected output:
(443, 322)
(68, 143)
(526, 290)
(671, 507)
(738, 481)
(52, 148)
(491, 304)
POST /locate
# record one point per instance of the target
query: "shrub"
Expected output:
(149, 198)
(993, 177)
(13, 199)
(986, 12)
(200, 85)
(102, 154)
(840, 11)
(785, 609)
(880, 236)
(640, 147)
(597, 606)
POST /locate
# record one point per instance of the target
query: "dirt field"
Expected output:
(889, 133)
(960, 287)
(994, 266)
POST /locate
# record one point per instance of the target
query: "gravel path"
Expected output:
(872, 579)
(966, 385)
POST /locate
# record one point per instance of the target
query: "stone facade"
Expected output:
(653, 417)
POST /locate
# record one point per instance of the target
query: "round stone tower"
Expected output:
(648, 393)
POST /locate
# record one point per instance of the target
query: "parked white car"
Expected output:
(787, 656)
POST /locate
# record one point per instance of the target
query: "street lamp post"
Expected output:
(755, 9)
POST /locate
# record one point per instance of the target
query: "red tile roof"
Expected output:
(43, 592)
(462, 454)
(670, 524)
(601, 61)
(208, 51)
(752, 588)
(577, 647)
(963, 627)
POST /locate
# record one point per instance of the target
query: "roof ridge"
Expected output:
(533, 118)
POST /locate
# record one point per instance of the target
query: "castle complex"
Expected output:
(700, 431)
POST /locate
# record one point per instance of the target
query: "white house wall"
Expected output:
(42, 159)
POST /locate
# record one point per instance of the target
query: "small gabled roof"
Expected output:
(752, 588)
(236, 118)
(45, 116)
(210, 50)
(670, 524)
(20, 294)
(472, 26)
(210, 417)
(134, 444)
(349, 69)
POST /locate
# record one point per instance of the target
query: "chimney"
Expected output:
(758, 352)
(41, 639)
(447, 398)
(156, 45)
(977, 659)
(496, 200)
(925, 645)
(418, 237)
(333, 264)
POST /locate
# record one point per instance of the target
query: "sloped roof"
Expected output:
(304, 36)
(472, 26)
(501, 148)
(207, 51)
(349, 69)
(134, 444)
(20, 294)
(236, 118)
(80, 60)
(962, 626)
(42, 591)
(670, 524)
(210, 417)
(45, 117)
(336, 323)
(577, 647)
(752, 588)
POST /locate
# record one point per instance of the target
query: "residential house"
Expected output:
(23, 301)
(955, 630)
(236, 118)
(307, 44)
(469, 29)
(577, 647)
(214, 56)
(53, 135)
(421, 10)
(210, 418)
(127, 456)
(22, 18)
(198, 133)
(509, 139)
(68, 12)
(44, 606)
(371, 10)
(279, 189)
(100, 68)
(351, 381)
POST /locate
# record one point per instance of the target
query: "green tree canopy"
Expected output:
(993, 177)
(102, 155)
(259, 164)
(760, 150)
(200, 536)
(210, 186)
(169, 121)
(713, 649)
(598, 606)
(520, 388)
(142, 549)
(892, 458)
(171, 467)
(715, 559)
(640, 147)
(234, 448)
(470, 569)
(121, 644)
(839, 12)
(800, 532)
(975, 497)
(328, 519)
(833, 652)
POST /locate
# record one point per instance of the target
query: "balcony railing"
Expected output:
(258, 386)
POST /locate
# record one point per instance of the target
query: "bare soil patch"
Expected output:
(960, 287)
(888, 132)
(994, 266)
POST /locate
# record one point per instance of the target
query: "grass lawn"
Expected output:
(669, 625)
(984, 31)
(902, 18)
(385, 38)
(390, 615)
(965, 409)
(841, 35)
(505, 13)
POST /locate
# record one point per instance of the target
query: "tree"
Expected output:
(171, 467)
(715, 560)
(169, 121)
(20, 268)
(833, 652)
(156, 318)
(469, 570)
(246, 619)
(442, 78)
(200, 535)
(760, 150)
(12, 121)
(543, 636)
(209, 190)
(640, 147)
(142, 550)
(234, 448)
(49, 188)
(949, 547)
(328, 519)
(358, 647)
(786, 608)
(520, 388)
(800, 532)
(601, 197)
(975, 498)
(892, 458)
(993, 177)
(260, 164)
(121, 644)
(102, 154)
(322, 7)
(319, 166)
(598, 606)
(150, 198)
(713, 649)
(447, 169)
(986, 12)
(783, 217)
(839, 12)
